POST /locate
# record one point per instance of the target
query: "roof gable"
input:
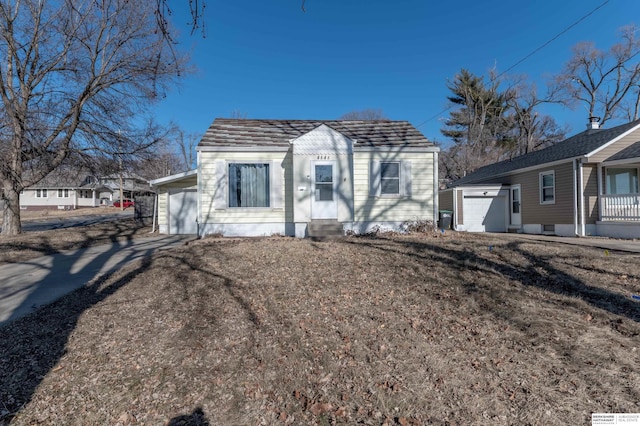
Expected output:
(322, 140)
(225, 132)
(583, 144)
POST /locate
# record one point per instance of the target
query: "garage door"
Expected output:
(485, 214)
(183, 212)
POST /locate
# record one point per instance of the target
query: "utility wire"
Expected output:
(533, 52)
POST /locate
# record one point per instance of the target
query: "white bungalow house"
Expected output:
(301, 178)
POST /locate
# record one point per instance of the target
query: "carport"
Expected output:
(177, 203)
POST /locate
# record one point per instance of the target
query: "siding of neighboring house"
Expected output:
(590, 180)
(445, 200)
(533, 212)
(618, 146)
(460, 207)
(420, 205)
(28, 199)
(212, 189)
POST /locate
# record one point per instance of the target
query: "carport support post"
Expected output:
(155, 212)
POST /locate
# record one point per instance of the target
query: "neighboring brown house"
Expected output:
(584, 185)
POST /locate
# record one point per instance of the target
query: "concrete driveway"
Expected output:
(25, 286)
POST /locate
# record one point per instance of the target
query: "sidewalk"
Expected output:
(630, 246)
(25, 286)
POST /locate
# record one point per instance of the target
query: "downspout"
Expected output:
(583, 231)
(199, 227)
(454, 218)
(436, 187)
(575, 198)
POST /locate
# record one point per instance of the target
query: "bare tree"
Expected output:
(187, 145)
(605, 82)
(74, 76)
(237, 114)
(365, 114)
(531, 130)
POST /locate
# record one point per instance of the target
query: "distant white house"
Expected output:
(68, 189)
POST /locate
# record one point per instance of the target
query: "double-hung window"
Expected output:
(390, 178)
(63, 193)
(41, 193)
(547, 187)
(249, 185)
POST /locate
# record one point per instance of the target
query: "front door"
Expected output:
(516, 218)
(324, 203)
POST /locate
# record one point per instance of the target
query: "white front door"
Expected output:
(516, 195)
(324, 203)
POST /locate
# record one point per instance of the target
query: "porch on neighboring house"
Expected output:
(620, 207)
(619, 202)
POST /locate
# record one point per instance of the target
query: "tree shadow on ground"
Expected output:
(539, 272)
(196, 418)
(32, 345)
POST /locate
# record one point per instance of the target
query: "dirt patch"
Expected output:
(30, 245)
(423, 329)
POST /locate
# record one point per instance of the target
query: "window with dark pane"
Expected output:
(248, 185)
(390, 178)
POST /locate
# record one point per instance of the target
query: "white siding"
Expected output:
(419, 205)
(211, 189)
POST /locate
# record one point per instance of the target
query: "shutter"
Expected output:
(220, 186)
(405, 178)
(276, 185)
(374, 179)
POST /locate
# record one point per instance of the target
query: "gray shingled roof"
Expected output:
(278, 133)
(575, 146)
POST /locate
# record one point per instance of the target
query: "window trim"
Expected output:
(608, 182)
(541, 186)
(228, 181)
(63, 191)
(375, 179)
(42, 193)
(399, 179)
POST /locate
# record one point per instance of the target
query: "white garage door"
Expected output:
(183, 208)
(485, 214)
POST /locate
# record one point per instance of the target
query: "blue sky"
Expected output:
(268, 59)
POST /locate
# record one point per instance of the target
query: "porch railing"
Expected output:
(620, 207)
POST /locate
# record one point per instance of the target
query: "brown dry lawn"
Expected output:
(410, 330)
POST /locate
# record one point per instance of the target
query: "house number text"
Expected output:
(323, 157)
